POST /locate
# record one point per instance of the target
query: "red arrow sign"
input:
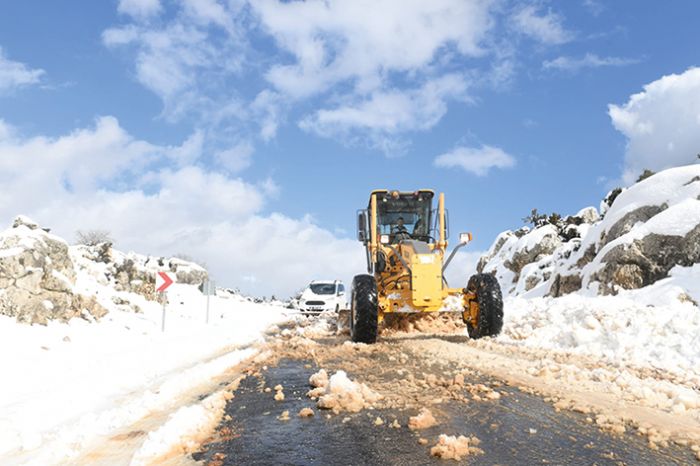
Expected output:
(163, 281)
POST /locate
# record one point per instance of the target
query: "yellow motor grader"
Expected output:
(406, 245)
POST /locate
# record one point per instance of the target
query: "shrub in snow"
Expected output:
(93, 237)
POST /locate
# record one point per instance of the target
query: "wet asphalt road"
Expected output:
(254, 435)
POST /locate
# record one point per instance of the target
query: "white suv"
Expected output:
(321, 296)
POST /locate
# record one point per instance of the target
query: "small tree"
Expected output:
(645, 174)
(93, 237)
(554, 219)
(535, 218)
(612, 196)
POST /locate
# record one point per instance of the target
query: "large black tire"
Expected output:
(490, 300)
(364, 317)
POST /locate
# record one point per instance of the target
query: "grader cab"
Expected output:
(405, 240)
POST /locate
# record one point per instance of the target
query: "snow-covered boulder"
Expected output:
(37, 277)
(645, 232)
(187, 272)
(513, 254)
(42, 278)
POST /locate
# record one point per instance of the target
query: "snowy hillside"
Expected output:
(647, 240)
(95, 360)
(42, 278)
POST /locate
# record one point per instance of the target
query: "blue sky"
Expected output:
(246, 134)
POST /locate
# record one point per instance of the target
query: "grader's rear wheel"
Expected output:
(364, 310)
(489, 320)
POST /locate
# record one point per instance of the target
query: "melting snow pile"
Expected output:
(422, 420)
(339, 393)
(450, 447)
(619, 329)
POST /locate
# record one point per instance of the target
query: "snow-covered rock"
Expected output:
(645, 232)
(37, 277)
(42, 278)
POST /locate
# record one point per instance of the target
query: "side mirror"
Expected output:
(464, 238)
(362, 226)
(341, 293)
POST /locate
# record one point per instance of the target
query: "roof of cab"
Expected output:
(384, 191)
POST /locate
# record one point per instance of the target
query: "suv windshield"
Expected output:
(404, 217)
(322, 288)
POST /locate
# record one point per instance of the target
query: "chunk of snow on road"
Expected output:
(422, 420)
(343, 394)
(319, 379)
(452, 447)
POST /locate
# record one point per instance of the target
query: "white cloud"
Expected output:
(267, 108)
(139, 8)
(387, 113)
(543, 27)
(661, 124)
(363, 40)
(15, 74)
(462, 267)
(590, 60)
(476, 160)
(339, 61)
(594, 7)
(237, 158)
(103, 178)
(187, 59)
(175, 62)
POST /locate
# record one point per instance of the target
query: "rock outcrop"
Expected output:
(644, 232)
(42, 278)
(37, 277)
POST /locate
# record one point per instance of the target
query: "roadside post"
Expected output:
(208, 287)
(163, 281)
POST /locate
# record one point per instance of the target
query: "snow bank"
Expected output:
(184, 431)
(64, 384)
(619, 329)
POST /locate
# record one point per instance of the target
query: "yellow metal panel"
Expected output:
(373, 227)
(442, 244)
(426, 284)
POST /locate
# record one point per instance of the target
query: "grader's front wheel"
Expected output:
(489, 311)
(364, 310)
